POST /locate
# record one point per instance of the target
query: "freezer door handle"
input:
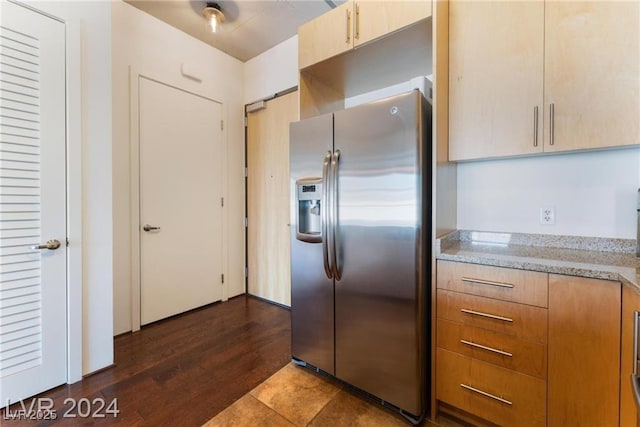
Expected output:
(335, 193)
(324, 214)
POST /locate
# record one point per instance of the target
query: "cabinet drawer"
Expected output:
(519, 320)
(498, 395)
(499, 349)
(507, 284)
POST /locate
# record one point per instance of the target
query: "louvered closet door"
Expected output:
(32, 203)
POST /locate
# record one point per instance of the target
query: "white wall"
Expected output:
(156, 49)
(593, 193)
(272, 71)
(92, 21)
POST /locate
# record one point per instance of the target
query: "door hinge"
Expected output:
(222, 278)
(246, 272)
(246, 121)
(221, 124)
(222, 202)
(246, 172)
(246, 222)
(67, 241)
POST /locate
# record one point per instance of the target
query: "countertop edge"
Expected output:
(612, 273)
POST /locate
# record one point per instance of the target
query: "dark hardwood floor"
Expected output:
(184, 370)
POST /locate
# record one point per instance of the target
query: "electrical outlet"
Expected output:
(547, 216)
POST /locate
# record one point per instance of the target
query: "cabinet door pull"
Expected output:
(357, 31)
(535, 126)
(552, 126)
(484, 393)
(481, 314)
(487, 282)
(348, 21)
(484, 347)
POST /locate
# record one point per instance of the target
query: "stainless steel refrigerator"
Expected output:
(360, 247)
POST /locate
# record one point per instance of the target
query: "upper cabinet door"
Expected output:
(592, 74)
(495, 78)
(328, 35)
(375, 18)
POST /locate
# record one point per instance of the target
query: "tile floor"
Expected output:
(293, 396)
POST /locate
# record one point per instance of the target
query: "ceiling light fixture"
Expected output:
(214, 16)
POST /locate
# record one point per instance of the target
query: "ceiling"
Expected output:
(251, 27)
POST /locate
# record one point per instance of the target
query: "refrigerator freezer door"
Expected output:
(312, 338)
(379, 300)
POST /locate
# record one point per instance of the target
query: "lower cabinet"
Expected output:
(528, 357)
(561, 361)
(491, 339)
(628, 412)
(498, 395)
(584, 352)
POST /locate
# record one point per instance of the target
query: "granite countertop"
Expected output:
(599, 258)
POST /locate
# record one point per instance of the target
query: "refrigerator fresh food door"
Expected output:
(380, 296)
(312, 338)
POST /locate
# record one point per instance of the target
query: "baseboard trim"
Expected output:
(286, 307)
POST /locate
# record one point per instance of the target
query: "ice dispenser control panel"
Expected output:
(308, 204)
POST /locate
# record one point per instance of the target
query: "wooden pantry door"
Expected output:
(268, 195)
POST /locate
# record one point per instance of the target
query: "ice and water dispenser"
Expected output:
(308, 209)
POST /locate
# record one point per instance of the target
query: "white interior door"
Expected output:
(32, 203)
(181, 195)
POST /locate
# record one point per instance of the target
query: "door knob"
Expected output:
(51, 245)
(148, 227)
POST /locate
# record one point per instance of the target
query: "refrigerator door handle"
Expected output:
(335, 192)
(324, 213)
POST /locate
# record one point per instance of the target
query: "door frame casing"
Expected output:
(135, 74)
(246, 181)
(74, 203)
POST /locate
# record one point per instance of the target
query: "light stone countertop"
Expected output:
(599, 258)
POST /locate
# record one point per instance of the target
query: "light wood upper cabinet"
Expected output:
(584, 57)
(353, 24)
(495, 78)
(326, 36)
(375, 18)
(592, 74)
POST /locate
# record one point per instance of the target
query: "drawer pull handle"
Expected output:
(490, 316)
(487, 282)
(484, 393)
(484, 347)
